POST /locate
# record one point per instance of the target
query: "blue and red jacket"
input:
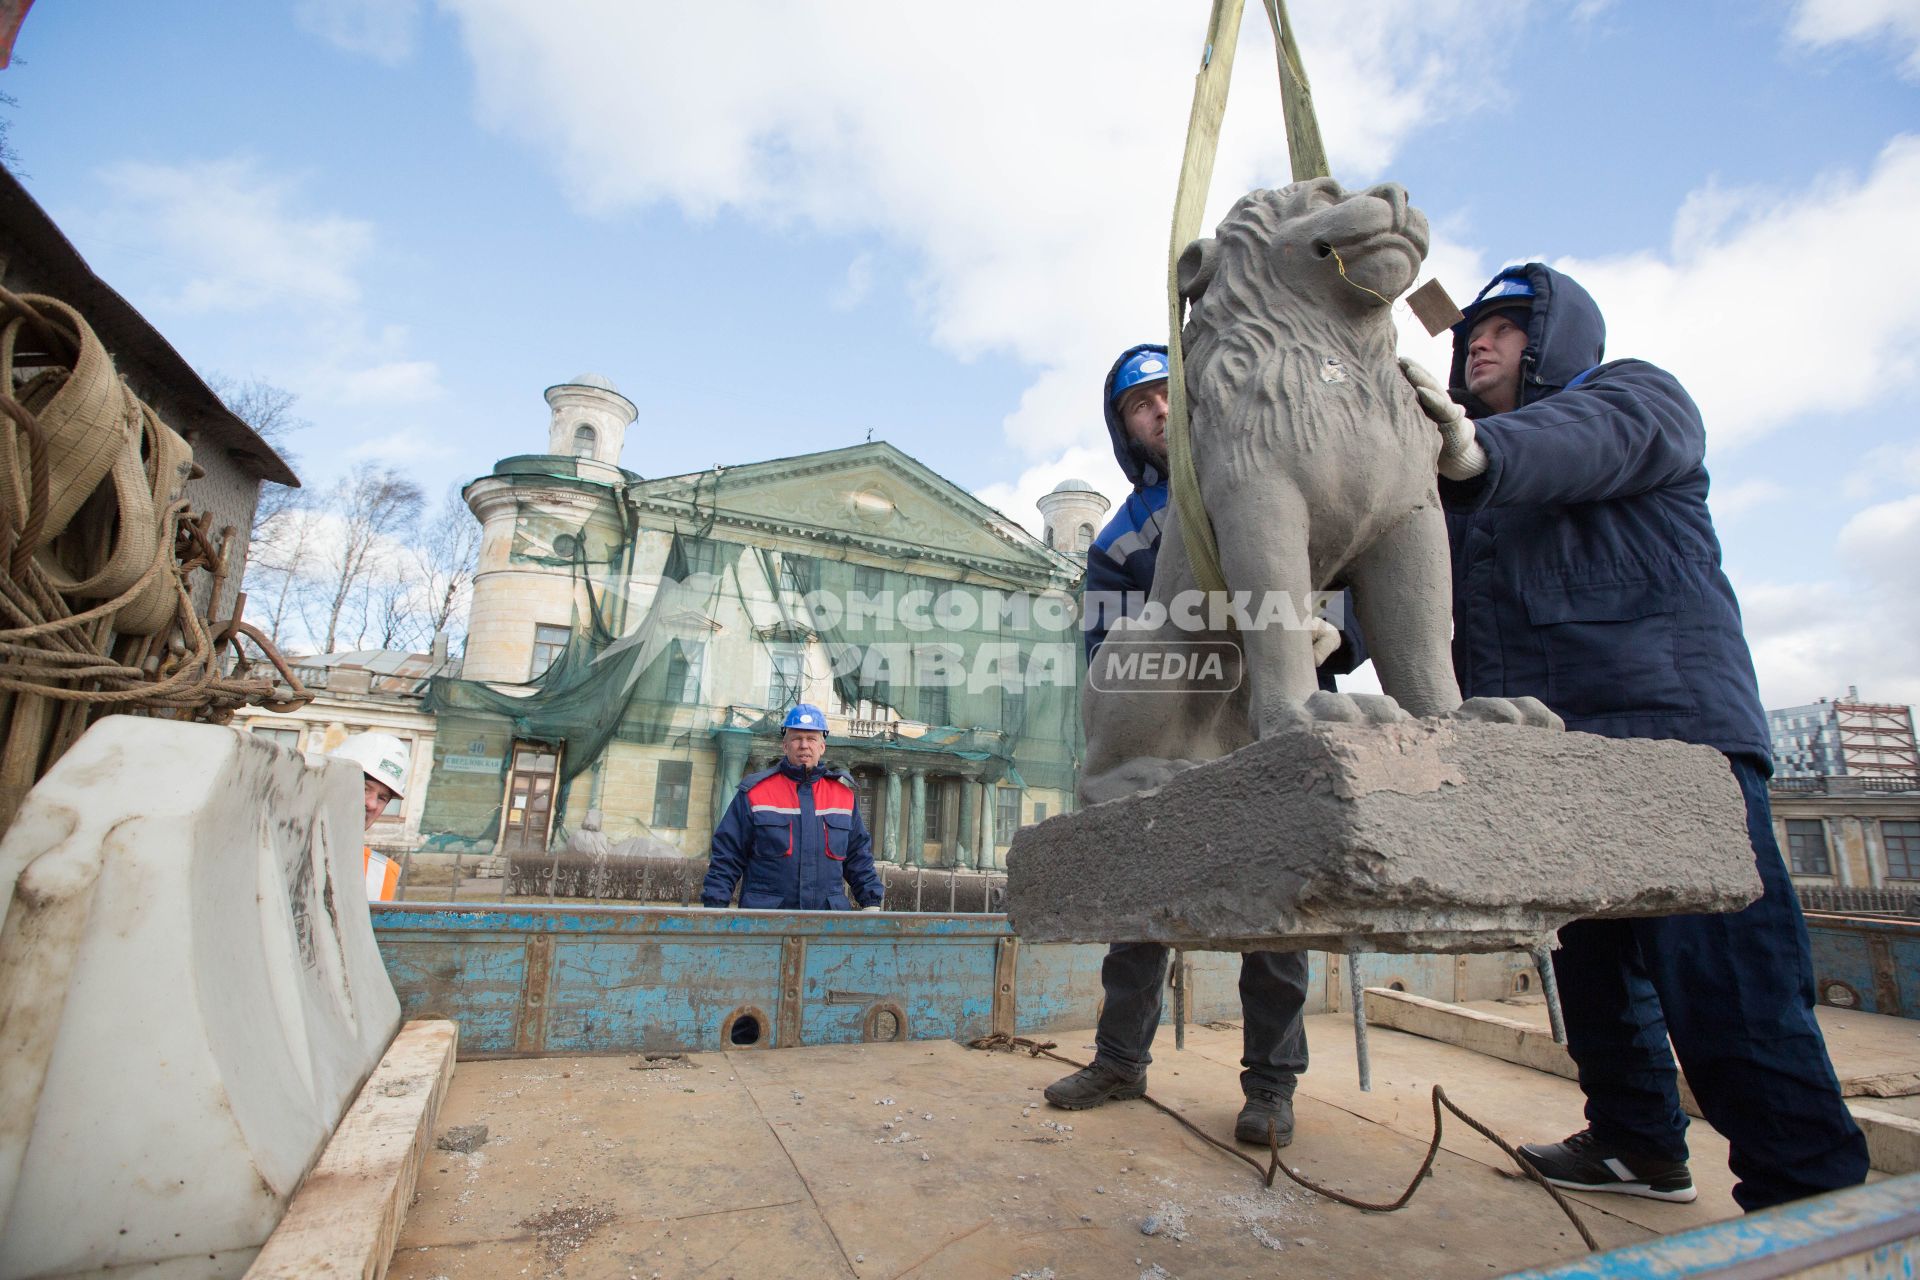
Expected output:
(796, 836)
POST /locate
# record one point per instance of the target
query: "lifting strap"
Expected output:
(1308, 159)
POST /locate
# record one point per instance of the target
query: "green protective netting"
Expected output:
(994, 672)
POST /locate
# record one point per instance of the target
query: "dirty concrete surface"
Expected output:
(929, 1159)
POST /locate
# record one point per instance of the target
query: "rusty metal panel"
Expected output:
(793, 966)
(1866, 963)
(1006, 991)
(476, 983)
(530, 1030)
(647, 994)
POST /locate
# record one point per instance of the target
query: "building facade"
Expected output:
(634, 644)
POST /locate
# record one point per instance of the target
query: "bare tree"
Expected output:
(268, 409)
(445, 559)
(369, 508)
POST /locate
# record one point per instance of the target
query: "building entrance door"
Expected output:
(529, 818)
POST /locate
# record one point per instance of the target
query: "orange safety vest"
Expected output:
(382, 872)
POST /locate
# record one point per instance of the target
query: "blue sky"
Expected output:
(778, 227)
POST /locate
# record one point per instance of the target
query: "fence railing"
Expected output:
(1858, 901)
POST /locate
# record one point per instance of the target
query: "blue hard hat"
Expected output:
(1510, 290)
(1140, 367)
(805, 716)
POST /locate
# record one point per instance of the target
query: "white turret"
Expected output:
(590, 419)
(1073, 514)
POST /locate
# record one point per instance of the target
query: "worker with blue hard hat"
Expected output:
(1273, 984)
(792, 838)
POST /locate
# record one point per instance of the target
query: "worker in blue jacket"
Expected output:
(1273, 984)
(1586, 573)
(794, 832)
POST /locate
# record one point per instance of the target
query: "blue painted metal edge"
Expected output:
(1883, 1217)
(389, 918)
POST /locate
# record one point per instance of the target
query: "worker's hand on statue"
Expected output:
(1326, 638)
(1461, 456)
(875, 907)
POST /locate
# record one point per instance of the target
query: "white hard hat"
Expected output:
(381, 756)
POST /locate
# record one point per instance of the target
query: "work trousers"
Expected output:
(1273, 991)
(1734, 993)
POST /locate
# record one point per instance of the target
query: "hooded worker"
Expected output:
(1586, 573)
(386, 762)
(794, 833)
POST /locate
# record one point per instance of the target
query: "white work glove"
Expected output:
(1461, 456)
(1326, 638)
(872, 908)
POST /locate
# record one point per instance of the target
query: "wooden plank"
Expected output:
(347, 1213)
(1893, 1141)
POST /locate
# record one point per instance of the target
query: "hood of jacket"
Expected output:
(1138, 467)
(1566, 336)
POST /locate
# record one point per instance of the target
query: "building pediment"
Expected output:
(870, 494)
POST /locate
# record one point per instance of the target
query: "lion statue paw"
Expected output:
(1527, 711)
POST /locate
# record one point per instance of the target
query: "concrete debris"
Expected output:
(463, 1138)
(1426, 835)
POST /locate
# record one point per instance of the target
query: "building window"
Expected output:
(793, 574)
(288, 738)
(1807, 847)
(1013, 709)
(672, 784)
(700, 555)
(783, 678)
(549, 642)
(1903, 849)
(935, 790)
(1040, 811)
(584, 440)
(1085, 539)
(869, 581)
(1006, 813)
(933, 704)
(685, 665)
(866, 787)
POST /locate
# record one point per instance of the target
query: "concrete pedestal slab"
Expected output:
(1428, 835)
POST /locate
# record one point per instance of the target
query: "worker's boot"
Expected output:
(1265, 1107)
(1091, 1086)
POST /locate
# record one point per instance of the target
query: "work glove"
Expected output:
(875, 907)
(1461, 456)
(1326, 638)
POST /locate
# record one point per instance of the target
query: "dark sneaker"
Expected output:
(1584, 1163)
(1265, 1106)
(1091, 1086)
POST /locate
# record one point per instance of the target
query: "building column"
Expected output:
(917, 819)
(989, 838)
(966, 853)
(729, 769)
(890, 820)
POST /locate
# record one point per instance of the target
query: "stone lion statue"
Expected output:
(1317, 468)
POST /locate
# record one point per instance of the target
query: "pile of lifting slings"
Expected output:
(96, 548)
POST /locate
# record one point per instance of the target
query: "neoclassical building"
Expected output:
(635, 642)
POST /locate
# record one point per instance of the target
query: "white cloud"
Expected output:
(1019, 500)
(383, 30)
(1768, 307)
(1821, 23)
(1883, 466)
(856, 285)
(235, 238)
(232, 239)
(1032, 189)
(1736, 500)
(1812, 640)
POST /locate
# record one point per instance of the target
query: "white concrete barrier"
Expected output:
(190, 996)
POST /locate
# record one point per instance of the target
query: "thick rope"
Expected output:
(76, 659)
(1000, 1040)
